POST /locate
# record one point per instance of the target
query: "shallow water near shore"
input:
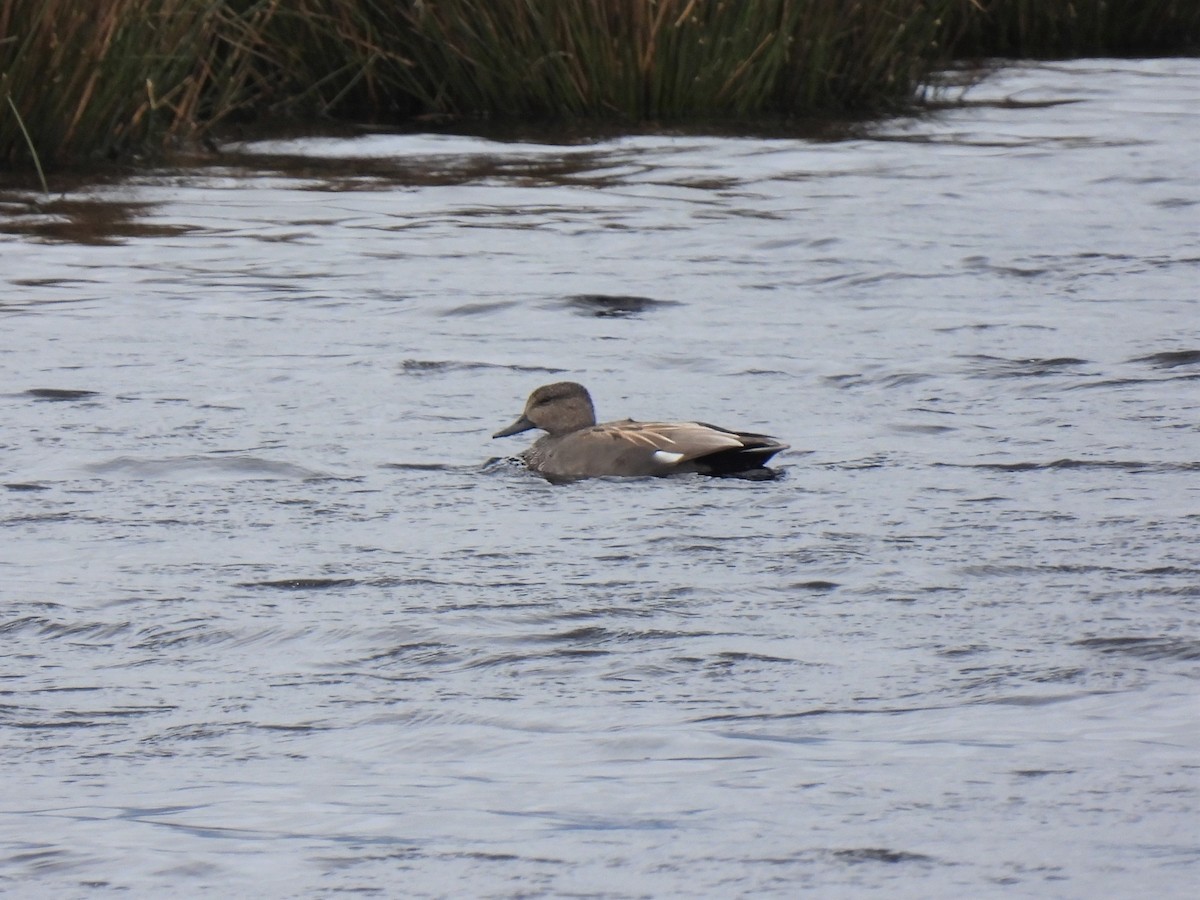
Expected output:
(280, 620)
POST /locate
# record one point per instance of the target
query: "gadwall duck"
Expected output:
(574, 446)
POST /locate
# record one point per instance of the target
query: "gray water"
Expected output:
(278, 619)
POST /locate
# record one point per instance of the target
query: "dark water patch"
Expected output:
(1170, 359)
(92, 718)
(99, 632)
(903, 379)
(49, 282)
(24, 623)
(447, 168)
(922, 429)
(773, 373)
(1002, 103)
(1026, 700)
(38, 518)
(848, 379)
(771, 717)
(419, 581)
(517, 658)
(37, 859)
(425, 467)
(985, 366)
(185, 633)
(1058, 675)
(730, 657)
(1176, 203)
(1108, 383)
(301, 584)
(1189, 590)
(1187, 649)
(420, 652)
(815, 586)
(88, 221)
(480, 309)
(614, 306)
(1085, 464)
(1041, 773)
(960, 652)
(985, 264)
(996, 570)
(450, 366)
(880, 854)
(60, 394)
(590, 638)
(991, 326)
(877, 461)
(587, 634)
(299, 728)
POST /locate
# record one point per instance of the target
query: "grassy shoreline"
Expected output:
(113, 79)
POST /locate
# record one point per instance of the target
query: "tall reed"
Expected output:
(75, 72)
(1065, 28)
(109, 77)
(96, 78)
(655, 59)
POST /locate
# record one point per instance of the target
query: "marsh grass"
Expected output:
(111, 78)
(75, 72)
(670, 59)
(37, 160)
(1059, 28)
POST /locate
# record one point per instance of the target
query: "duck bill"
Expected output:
(522, 424)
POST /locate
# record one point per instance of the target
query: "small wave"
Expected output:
(444, 366)
(418, 652)
(880, 854)
(480, 309)
(1097, 464)
(185, 633)
(24, 623)
(1170, 359)
(1187, 649)
(301, 584)
(889, 380)
(922, 429)
(425, 467)
(613, 306)
(60, 394)
(101, 632)
(815, 586)
(212, 466)
(732, 657)
(999, 367)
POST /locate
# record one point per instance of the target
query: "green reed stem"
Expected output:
(37, 162)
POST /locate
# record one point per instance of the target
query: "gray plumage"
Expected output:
(575, 447)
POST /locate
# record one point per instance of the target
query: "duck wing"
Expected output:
(632, 448)
(679, 443)
(672, 442)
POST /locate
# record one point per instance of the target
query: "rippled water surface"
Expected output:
(273, 625)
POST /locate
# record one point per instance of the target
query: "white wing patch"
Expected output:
(666, 456)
